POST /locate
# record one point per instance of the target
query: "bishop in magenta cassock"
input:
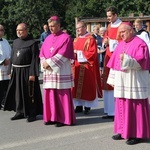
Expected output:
(129, 74)
(56, 55)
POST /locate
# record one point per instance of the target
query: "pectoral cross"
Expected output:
(18, 53)
(51, 49)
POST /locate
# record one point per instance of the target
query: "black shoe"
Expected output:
(59, 125)
(108, 117)
(31, 119)
(87, 110)
(17, 116)
(50, 123)
(79, 109)
(1, 106)
(117, 137)
(133, 141)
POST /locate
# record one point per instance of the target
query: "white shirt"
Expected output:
(5, 53)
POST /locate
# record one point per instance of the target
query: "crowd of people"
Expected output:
(112, 63)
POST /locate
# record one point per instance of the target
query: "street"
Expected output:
(91, 132)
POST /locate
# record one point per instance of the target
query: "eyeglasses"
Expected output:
(52, 26)
(79, 27)
(20, 30)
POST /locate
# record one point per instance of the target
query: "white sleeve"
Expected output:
(56, 62)
(111, 77)
(42, 59)
(129, 63)
(144, 36)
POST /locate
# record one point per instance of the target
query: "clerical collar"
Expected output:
(1, 39)
(140, 30)
(58, 33)
(95, 34)
(116, 23)
(84, 34)
(130, 39)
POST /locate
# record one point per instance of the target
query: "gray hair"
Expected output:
(55, 21)
(102, 29)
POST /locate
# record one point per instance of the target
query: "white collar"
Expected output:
(84, 35)
(116, 23)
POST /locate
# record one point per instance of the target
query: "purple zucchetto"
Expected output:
(128, 23)
(54, 18)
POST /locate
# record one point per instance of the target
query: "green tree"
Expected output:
(28, 11)
(36, 12)
(33, 12)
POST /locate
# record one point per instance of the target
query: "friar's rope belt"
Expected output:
(31, 90)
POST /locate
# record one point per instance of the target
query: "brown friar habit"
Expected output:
(24, 63)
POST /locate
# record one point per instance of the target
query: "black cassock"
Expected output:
(23, 96)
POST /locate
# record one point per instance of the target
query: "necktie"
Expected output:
(1, 39)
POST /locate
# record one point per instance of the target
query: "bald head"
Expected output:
(126, 32)
(1, 27)
(1, 31)
(23, 25)
(22, 30)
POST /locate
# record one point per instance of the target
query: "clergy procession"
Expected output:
(76, 77)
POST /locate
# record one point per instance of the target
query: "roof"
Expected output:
(122, 18)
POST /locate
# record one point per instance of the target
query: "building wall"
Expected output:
(103, 21)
